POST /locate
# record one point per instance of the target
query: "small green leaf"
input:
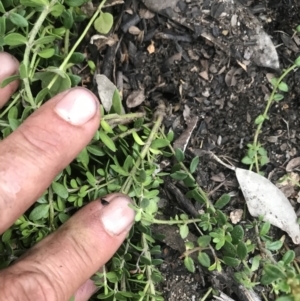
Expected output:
(39, 212)
(104, 23)
(272, 273)
(298, 28)
(119, 170)
(189, 264)
(247, 160)
(159, 143)
(229, 249)
(255, 263)
(194, 164)
(46, 53)
(288, 257)
(242, 250)
(2, 25)
(204, 241)
(179, 175)
(106, 127)
(179, 154)
(77, 58)
(41, 95)
(67, 19)
(264, 160)
(2, 9)
(274, 81)
(75, 3)
(184, 231)
(14, 39)
(17, 19)
(83, 157)
(222, 201)
(170, 136)
(60, 190)
(8, 80)
(34, 3)
(137, 139)
(285, 298)
(75, 79)
(274, 245)
(117, 103)
(107, 141)
(6, 235)
(297, 61)
(259, 119)
(264, 229)
(237, 234)
(204, 259)
(221, 218)
(278, 97)
(95, 150)
(57, 10)
(44, 40)
(283, 87)
(230, 261)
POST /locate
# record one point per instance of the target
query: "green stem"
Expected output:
(67, 44)
(11, 104)
(265, 114)
(83, 35)
(207, 294)
(51, 209)
(31, 38)
(160, 116)
(172, 222)
(201, 192)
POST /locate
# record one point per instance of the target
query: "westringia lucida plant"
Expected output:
(123, 156)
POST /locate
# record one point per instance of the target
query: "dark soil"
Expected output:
(194, 74)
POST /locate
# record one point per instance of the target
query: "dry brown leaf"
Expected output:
(236, 216)
(294, 163)
(204, 75)
(135, 98)
(146, 14)
(134, 30)
(151, 48)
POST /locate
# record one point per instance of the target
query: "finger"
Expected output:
(85, 291)
(61, 263)
(41, 147)
(9, 66)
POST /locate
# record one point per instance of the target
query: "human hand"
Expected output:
(60, 265)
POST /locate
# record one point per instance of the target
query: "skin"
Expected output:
(59, 266)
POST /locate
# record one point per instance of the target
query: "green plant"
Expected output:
(256, 155)
(123, 156)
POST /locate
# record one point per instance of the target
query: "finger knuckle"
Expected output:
(26, 286)
(41, 140)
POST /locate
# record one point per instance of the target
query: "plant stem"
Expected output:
(172, 222)
(82, 36)
(31, 38)
(269, 103)
(160, 112)
(51, 209)
(206, 295)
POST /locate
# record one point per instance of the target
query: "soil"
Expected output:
(196, 78)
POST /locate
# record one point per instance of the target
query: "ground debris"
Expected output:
(228, 24)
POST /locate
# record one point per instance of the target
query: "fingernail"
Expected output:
(9, 65)
(77, 107)
(117, 216)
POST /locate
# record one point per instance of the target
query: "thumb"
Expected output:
(59, 265)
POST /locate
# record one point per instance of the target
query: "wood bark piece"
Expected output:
(228, 24)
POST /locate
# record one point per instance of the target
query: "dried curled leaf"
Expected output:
(264, 198)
